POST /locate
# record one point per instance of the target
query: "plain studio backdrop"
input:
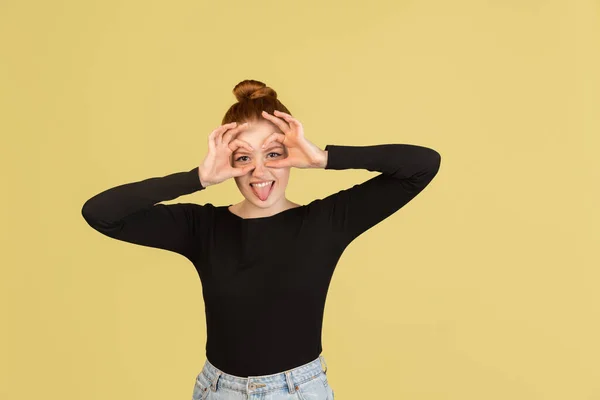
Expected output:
(485, 286)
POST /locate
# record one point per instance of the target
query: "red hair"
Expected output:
(253, 97)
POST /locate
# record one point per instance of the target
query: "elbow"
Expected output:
(88, 215)
(91, 215)
(431, 166)
(436, 161)
(87, 211)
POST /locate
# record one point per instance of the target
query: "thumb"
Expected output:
(276, 164)
(243, 170)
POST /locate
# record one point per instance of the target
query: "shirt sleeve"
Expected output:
(405, 171)
(130, 212)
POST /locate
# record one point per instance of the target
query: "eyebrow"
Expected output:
(270, 146)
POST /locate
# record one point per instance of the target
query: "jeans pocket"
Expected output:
(323, 378)
(312, 389)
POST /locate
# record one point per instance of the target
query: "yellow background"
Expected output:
(485, 286)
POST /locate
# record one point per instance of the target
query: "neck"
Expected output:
(245, 209)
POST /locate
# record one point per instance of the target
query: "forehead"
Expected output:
(256, 132)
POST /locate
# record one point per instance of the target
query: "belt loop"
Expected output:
(291, 385)
(213, 386)
(323, 359)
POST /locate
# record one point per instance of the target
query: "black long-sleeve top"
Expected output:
(264, 280)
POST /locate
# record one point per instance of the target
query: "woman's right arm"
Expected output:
(130, 212)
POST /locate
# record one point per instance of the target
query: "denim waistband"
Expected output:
(265, 383)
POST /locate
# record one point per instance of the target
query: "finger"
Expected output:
(278, 163)
(242, 170)
(288, 118)
(276, 112)
(277, 121)
(275, 136)
(211, 141)
(221, 130)
(237, 143)
(224, 127)
(227, 136)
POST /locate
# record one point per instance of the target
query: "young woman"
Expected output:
(265, 263)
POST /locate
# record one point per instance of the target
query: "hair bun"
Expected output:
(250, 89)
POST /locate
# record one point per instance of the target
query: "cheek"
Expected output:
(284, 177)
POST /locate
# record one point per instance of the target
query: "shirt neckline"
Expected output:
(226, 208)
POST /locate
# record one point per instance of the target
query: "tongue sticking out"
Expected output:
(262, 192)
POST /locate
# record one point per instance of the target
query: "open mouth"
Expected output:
(264, 192)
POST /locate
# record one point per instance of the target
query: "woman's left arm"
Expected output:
(406, 170)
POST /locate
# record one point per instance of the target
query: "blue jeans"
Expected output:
(306, 382)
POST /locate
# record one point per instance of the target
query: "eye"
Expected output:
(273, 152)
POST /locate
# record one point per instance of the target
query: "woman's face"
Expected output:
(255, 134)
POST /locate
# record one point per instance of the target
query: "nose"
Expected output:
(259, 166)
(259, 172)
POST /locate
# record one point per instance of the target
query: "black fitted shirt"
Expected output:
(264, 280)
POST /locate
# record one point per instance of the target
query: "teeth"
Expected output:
(261, 184)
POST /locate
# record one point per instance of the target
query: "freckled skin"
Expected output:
(252, 207)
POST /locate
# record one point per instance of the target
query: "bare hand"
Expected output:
(301, 152)
(216, 166)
